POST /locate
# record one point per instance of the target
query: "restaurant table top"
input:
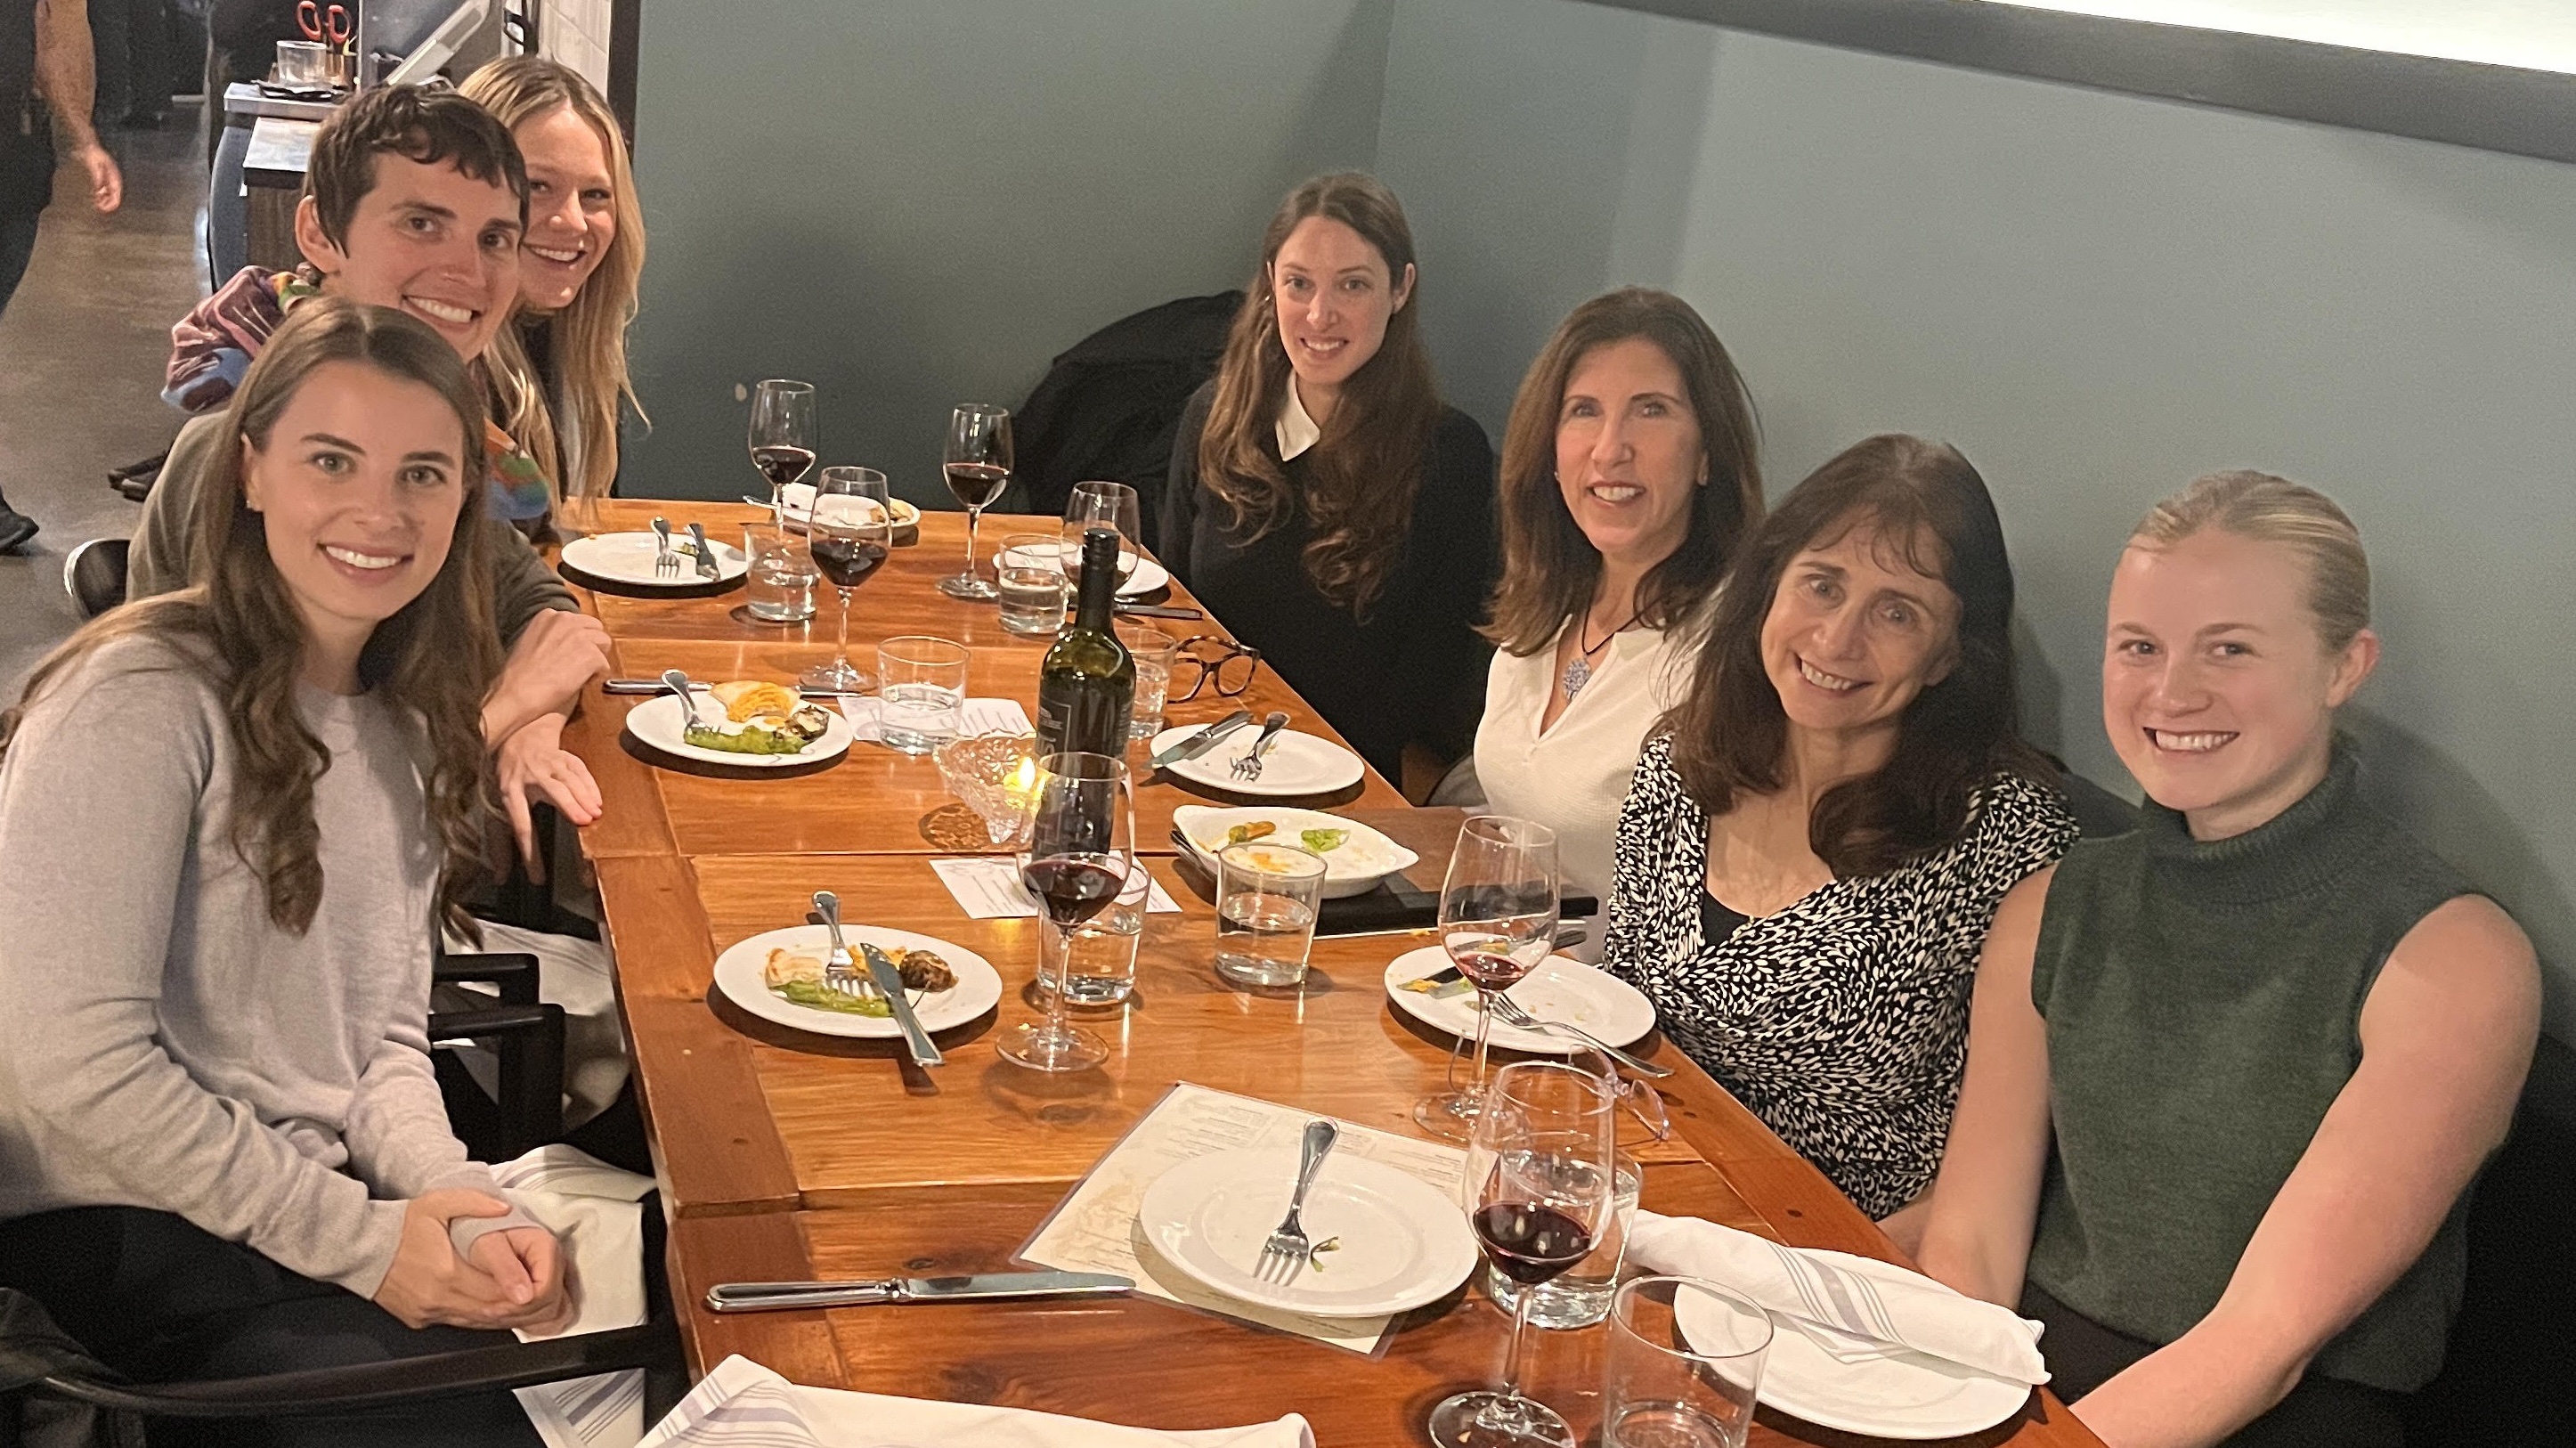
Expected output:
(788, 1156)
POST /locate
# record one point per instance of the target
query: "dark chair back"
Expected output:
(1110, 406)
(94, 575)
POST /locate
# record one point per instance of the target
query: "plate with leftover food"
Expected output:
(742, 722)
(778, 976)
(1355, 856)
(796, 513)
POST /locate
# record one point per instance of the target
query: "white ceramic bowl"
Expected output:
(1352, 868)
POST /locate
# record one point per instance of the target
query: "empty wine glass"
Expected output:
(1497, 922)
(783, 430)
(1082, 848)
(849, 535)
(1538, 1191)
(1103, 505)
(978, 468)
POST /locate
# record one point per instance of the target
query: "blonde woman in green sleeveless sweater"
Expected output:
(2231, 1075)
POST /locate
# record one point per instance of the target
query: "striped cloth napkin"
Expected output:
(1853, 1307)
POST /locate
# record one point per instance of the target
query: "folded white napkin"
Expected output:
(596, 1212)
(974, 716)
(1852, 1311)
(743, 1403)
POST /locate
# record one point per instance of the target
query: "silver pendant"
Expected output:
(1577, 674)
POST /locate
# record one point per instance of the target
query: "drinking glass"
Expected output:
(978, 467)
(1581, 1296)
(1685, 1364)
(1538, 1193)
(1098, 967)
(1030, 572)
(1082, 852)
(780, 587)
(921, 691)
(851, 532)
(1497, 922)
(782, 436)
(1153, 650)
(1266, 897)
(1103, 505)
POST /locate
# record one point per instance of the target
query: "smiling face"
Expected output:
(2218, 691)
(1855, 633)
(1629, 459)
(429, 240)
(571, 213)
(1333, 298)
(358, 491)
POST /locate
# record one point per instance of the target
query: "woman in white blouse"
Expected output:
(1628, 477)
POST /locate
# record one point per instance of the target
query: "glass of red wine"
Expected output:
(849, 533)
(782, 437)
(1103, 505)
(1082, 850)
(1497, 922)
(978, 467)
(1538, 1192)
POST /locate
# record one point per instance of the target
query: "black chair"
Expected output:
(525, 1034)
(94, 575)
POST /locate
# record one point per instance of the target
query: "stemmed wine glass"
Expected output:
(978, 467)
(1538, 1192)
(782, 437)
(849, 533)
(1497, 921)
(1082, 848)
(1103, 505)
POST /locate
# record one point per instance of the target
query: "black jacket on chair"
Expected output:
(1109, 407)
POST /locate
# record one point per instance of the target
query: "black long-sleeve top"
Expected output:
(1415, 669)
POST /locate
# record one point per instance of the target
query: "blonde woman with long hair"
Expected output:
(229, 816)
(561, 369)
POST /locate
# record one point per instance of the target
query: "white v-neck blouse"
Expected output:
(1573, 778)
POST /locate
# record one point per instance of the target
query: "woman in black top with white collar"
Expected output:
(1323, 502)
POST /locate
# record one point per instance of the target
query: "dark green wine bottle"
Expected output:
(1087, 685)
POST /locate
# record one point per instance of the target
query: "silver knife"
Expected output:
(654, 686)
(1194, 745)
(983, 1287)
(706, 555)
(889, 981)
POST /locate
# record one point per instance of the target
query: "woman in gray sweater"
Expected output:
(228, 817)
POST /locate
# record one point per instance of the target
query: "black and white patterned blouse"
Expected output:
(1841, 1021)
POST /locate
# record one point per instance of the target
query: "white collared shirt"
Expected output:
(1295, 430)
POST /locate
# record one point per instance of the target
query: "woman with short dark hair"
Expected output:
(1322, 500)
(1815, 844)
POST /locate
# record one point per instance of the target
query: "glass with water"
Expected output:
(1100, 953)
(1684, 1365)
(1153, 650)
(781, 586)
(921, 691)
(1580, 1296)
(1266, 896)
(1030, 574)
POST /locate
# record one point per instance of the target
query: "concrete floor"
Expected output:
(81, 350)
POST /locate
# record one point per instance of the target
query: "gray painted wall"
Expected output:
(2097, 298)
(914, 203)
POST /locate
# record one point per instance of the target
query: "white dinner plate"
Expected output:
(1352, 868)
(657, 721)
(1402, 1242)
(798, 506)
(1148, 575)
(1559, 990)
(1902, 1395)
(1298, 764)
(738, 975)
(626, 559)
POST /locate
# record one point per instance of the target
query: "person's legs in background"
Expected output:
(110, 38)
(26, 183)
(148, 29)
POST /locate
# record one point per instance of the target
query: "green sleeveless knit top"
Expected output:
(2203, 1004)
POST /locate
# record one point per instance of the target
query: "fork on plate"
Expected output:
(1248, 768)
(840, 970)
(1287, 1252)
(666, 559)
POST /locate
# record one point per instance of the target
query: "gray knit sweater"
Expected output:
(162, 1043)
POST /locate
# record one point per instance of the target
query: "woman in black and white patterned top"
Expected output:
(1818, 837)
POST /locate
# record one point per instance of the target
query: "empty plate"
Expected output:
(1298, 764)
(1389, 1241)
(626, 559)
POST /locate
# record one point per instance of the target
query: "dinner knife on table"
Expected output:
(893, 1291)
(1193, 745)
(889, 982)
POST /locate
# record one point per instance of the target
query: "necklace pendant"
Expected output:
(1577, 674)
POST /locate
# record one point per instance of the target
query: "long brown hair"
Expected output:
(431, 662)
(1549, 567)
(1364, 470)
(589, 335)
(1729, 733)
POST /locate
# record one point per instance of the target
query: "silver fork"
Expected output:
(1287, 1250)
(840, 972)
(666, 560)
(678, 683)
(1511, 1013)
(1248, 768)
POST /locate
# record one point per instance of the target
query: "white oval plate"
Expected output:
(1149, 575)
(1559, 990)
(738, 975)
(657, 722)
(799, 507)
(1352, 869)
(627, 558)
(1404, 1242)
(1902, 1395)
(1298, 765)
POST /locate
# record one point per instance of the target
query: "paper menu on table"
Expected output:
(1094, 1228)
(988, 887)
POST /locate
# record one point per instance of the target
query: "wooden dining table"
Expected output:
(784, 1155)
